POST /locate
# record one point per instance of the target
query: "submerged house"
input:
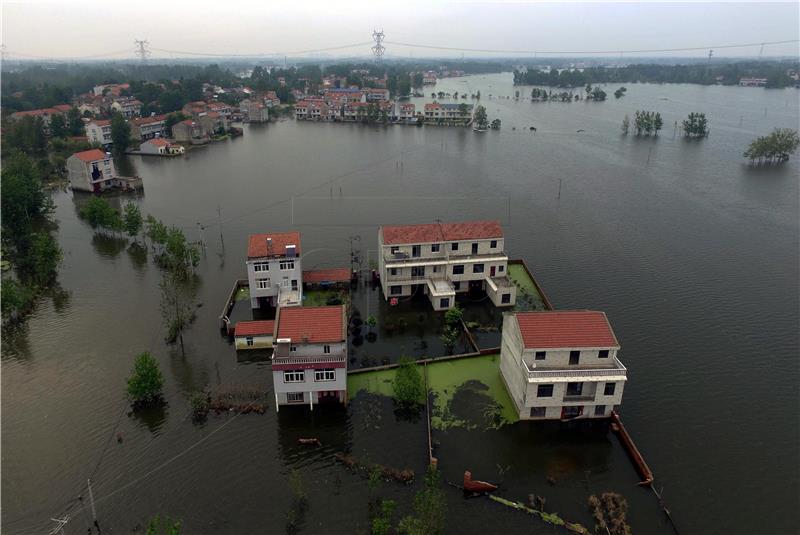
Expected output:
(309, 363)
(561, 365)
(443, 259)
(274, 269)
(93, 170)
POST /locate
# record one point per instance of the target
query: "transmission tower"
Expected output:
(378, 49)
(142, 49)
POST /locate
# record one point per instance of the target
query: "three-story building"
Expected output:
(442, 259)
(274, 269)
(309, 362)
(561, 365)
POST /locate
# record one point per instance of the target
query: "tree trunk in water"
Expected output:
(183, 353)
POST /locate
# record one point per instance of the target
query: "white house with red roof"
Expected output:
(129, 107)
(91, 170)
(274, 269)
(99, 131)
(309, 362)
(561, 365)
(442, 259)
(161, 147)
(254, 334)
(144, 128)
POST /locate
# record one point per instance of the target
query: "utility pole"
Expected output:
(60, 527)
(91, 502)
(378, 49)
(219, 216)
(142, 49)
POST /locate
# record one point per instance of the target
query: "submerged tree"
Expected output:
(647, 122)
(178, 299)
(430, 509)
(480, 118)
(409, 390)
(696, 125)
(620, 92)
(132, 219)
(773, 148)
(626, 125)
(144, 385)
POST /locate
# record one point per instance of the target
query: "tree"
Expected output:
(776, 147)
(597, 94)
(620, 92)
(156, 231)
(99, 213)
(41, 262)
(480, 118)
(178, 297)
(23, 199)
(120, 133)
(696, 125)
(166, 526)
(144, 385)
(495, 124)
(58, 126)
(132, 219)
(626, 124)
(430, 509)
(657, 122)
(74, 122)
(409, 389)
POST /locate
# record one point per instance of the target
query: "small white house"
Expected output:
(160, 147)
(274, 269)
(254, 334)
(309, 363)
(561, 365)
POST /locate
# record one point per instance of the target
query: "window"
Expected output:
(574, 389)
(435, 248)
(540, 355)
(261, 266)
(505, 299)
(418, 271)
(444, 302)
(458, 269)
(292, 348)
(574, 357)
(249, 340)
(395, 290)
(393, 271)
(326, 349)
(294, 376)
(474, 248)
(600, 410)
(289, 264)
(325, 375)
(454, 246)
(602, 354)
(395, 249)
(571, 412)
(544, 391)
(493, 244)
(262, 284)
(294, 397)
(538, 412)
(477, 268)
(609, 389)
(416, 250)
(501, 268)
(457, 285)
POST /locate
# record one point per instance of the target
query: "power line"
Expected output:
(579, 52)
(257, 54)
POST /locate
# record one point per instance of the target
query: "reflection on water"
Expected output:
(108, 246)
(152, 417)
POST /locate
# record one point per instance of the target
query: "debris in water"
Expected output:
(387, 473)
(476, 486)
(609, 512)
(310, 442)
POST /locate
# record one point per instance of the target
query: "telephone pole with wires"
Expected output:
(142, 49)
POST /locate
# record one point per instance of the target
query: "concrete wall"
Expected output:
(510, 368)
(309, 386)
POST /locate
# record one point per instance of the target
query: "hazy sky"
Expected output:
(76, 28)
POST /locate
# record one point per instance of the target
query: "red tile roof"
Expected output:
(91, 155)
(100, 122)
(254, 328)
(327, 275)
(565, 329)
(312, 325)
(258, 248)
(149, 120)
(63, 107)
(438, 232)
(159, 142)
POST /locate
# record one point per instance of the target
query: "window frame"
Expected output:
(326, 349)
(249, 341)
(322, 375)
(458, 267)
(493, 244)
(260, 267)
(543, 411)
(475, 268)
(299, 397)
(294, 376)
(603, 354)
(505, 299)
(577, 355)
(454, 246)
(541, 390)
(286, 265)
(397, 289)
(263, 284)
(540, 355)
(599, 410)
(613, 386)
(435, 247)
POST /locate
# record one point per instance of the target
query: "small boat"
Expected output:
(471, 485)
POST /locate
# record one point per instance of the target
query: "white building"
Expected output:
(91, 170)
(145, 128)
(561, 365)
(254, 334)
(161, 147)
(274, 269)
(99, 131)
(442, 259)
(129, 107)
(309, 363)
(254, 111)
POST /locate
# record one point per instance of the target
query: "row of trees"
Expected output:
(644, 122)
(773, 148)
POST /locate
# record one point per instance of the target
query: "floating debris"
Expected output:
(387, 473)
(609, 512)
(550, 518)
(310, 442)
(475, 486)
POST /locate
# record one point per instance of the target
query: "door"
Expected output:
(491, 271)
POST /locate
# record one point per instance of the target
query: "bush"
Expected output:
(430, 509)
(200, 404)
(409, 389)
(144, 386)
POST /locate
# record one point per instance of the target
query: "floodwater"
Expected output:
(693, 255)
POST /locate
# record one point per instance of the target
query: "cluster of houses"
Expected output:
(556, 365)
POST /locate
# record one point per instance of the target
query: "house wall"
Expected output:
(557, 401)
(338, 349)
(259, 342)
(276, 277)
(149, 148)
(510, 363)
(310, 387)
(560, 357)
(98, 134)
(79, 172)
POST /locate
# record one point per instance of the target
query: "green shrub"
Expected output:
(144, 386)
(409, 389)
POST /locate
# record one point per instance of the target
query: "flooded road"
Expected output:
(693, 255)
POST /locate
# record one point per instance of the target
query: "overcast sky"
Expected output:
(75, 28)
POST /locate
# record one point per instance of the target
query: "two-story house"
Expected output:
(99, 132)
(274, 269)
(309, 362)
(91, 170)
(442, 259)
(561, 365)
(144, 128)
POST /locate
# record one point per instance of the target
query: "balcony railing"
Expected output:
(443, 257)
(579, 398)
(615, 370)
(321, 359)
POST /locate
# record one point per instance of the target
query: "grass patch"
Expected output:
(378, 382)
(529, 297)
(319, 298)
(242, 294)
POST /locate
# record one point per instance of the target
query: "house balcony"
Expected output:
(403, 259)
(288, 297)
(536, 372)
(301, 361)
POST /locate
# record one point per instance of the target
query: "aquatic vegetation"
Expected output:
(609, 512)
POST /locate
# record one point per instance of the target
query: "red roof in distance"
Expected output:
(566, 329)
(91, 155)
(312, 325)
(254, 328)
(438, 232)
(259, 247)
(327, 275)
